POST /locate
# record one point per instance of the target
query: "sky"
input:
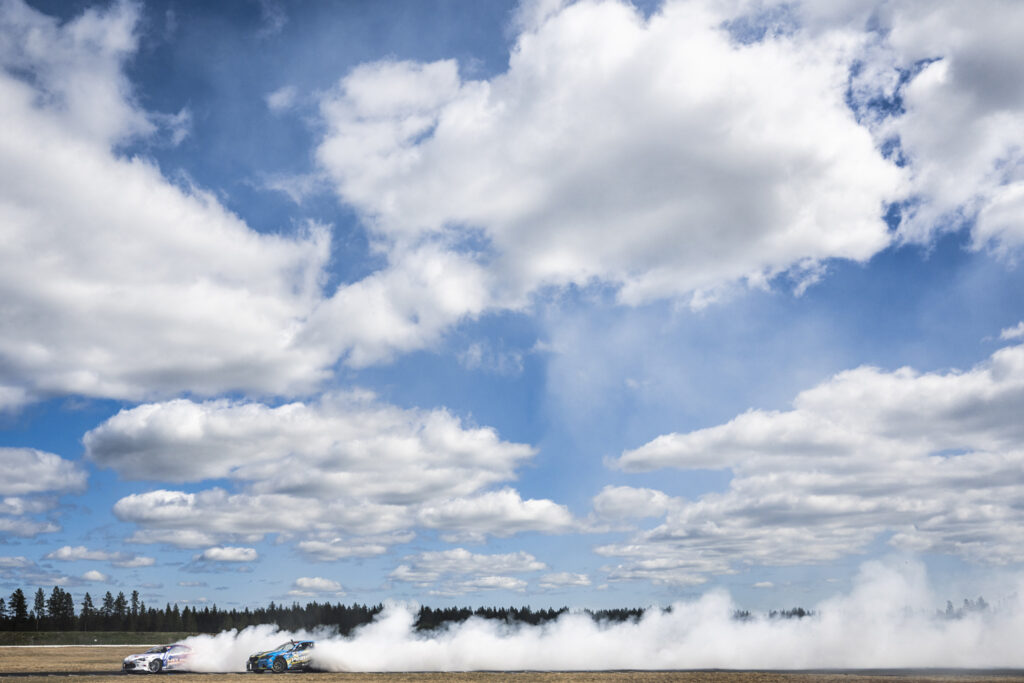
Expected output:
(553, 303)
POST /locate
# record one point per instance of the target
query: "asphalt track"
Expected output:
(36, 663)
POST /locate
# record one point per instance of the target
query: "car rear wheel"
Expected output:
(279, 665)
(155, 665)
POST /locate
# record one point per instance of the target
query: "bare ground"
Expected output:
(28, 664)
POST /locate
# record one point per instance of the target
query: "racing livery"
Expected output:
(295, 654)
(160, 658)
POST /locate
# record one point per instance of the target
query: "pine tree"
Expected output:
(120, 611)
(39, 607)
(55, 607)
(135, 603)
(88, 614)
(107, 612)
(68, 611)
(107, 608)
(18, 609)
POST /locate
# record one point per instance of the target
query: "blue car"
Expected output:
(293, 655)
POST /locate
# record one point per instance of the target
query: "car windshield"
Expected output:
(285, 646)
(158, 649)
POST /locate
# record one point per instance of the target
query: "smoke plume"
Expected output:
(887, 620)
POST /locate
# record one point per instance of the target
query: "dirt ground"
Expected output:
(28, 664)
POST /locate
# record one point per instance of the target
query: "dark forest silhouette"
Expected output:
(59, 612)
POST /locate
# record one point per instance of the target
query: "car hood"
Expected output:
(135, 658)
(261, 655)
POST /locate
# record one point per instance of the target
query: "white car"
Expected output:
(160, 658)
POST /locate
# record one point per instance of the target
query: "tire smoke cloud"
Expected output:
(888, 620)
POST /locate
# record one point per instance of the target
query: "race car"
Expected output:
(160, 658)
(295, 654)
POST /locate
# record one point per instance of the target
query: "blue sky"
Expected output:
(587, 303)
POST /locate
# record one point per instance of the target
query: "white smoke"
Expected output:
(888, 620)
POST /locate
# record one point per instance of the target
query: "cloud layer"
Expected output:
(31, 482)
(348, 475)
(747, 162)
(932, 461)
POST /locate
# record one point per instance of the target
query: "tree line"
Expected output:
(58, 612)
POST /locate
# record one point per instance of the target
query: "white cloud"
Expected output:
(482, 356)
(955, 72)
(627, 502)
(1015, 332)
(498, 513)
(69, 553)
(335, 548)
(459, 571)
(93, 575)
(26, 527)
(347, 474)
(933, 459)
(764, 584)
(309, 586)
(654, 154)
(14, 562)
(482, 583)
(563, 580)
(19, 570)
(228, 554)
(117, 283)
(135, 562)
(182, 538)
(404, 307)
(342, 444)
(282, 99)
(27, 473)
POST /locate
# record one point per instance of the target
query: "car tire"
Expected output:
(280, 666)
(155, 665)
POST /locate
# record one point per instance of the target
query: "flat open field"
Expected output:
(103, 663)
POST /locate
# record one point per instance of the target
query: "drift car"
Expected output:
(160, 658)
(295, 654)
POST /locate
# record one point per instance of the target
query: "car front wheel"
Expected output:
(279, 666)
(155, 666)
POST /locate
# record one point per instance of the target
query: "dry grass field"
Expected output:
(27, 664)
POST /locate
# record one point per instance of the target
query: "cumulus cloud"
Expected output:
(943, 85)
(29, 471)
(310, 586)
(498, 513)
(95, 576)
(933, 460)
(627, 502)
(564, 580)
(728, 163)
(116, 282)
(329, 548)
(228, 554)
(375, 472)
(31, 482)
(69, 553)
(1015, 332)
(459, 571)
(19, 570)
(342, 444)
